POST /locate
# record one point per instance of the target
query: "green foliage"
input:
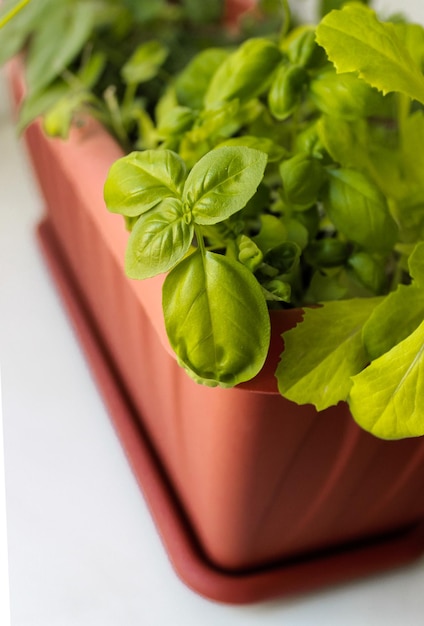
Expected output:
(330, 5)
(222, 182)
(144, 63)
(143, 43)
(286, 90)
(204, 12)
(319, 372)
(192, 83)
(394, 381)
(302, 179)
(245, 73)
(141, 180)
(61, 38)
(359, 210)
(204, 298)
(280, 171)
(158, 240)
(400, 313)
(202, 312)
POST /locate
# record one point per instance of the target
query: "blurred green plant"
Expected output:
(8, 12)
(335, 220)
(109, 58)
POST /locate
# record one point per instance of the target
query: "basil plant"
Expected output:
(287, 172)
(110, 59)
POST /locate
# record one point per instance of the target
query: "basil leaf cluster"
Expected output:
(205, 294)
(287, 172)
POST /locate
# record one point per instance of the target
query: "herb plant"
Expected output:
(108, 58)
(281, 171)
(288, 173)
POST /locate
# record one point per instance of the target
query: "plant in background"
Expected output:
(287, 173)
(109, 58)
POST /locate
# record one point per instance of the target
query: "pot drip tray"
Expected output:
(279, 579)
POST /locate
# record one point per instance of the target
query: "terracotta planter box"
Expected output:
(254, 497)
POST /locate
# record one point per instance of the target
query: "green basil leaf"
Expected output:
(222, 182)
(309, 141)
(327, 252)
(158, 240)
(245, 74)
(277, 290)
(347, 142)
(58, 118)
(141, 180)
(345, 96)
(219, 121)
(248, 253)
(387, 397)
(216, 318)
(15, 33)
(145, 63)
(369, 271)
(400, 313)
(58, 40)
(296, 232)
(272, 233)
(263, 144)
(175, 122)
(166, 104)
(301, 47)
(318, 371)
(211, 126)
(325, 287)
(302, 176)
(92, 69)
(284, 257)
(147, 133)
(359, 210)
(352, 145)
(355, 41)
(286, 90)
(191, 85)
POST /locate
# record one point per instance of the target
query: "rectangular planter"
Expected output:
(253, 495)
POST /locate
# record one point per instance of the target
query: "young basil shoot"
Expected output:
(215, 312)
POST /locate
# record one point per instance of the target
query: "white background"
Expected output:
(82, 548)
